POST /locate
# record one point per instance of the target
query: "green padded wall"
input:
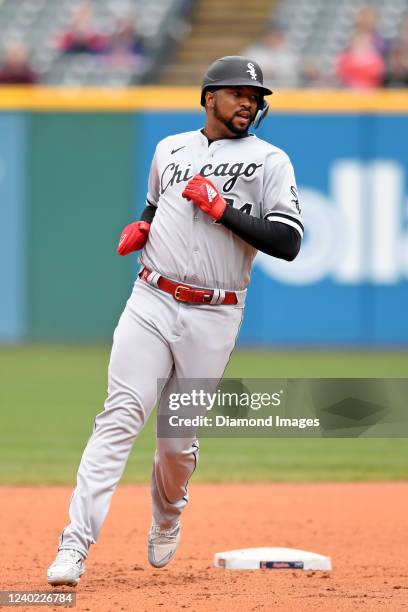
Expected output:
(80, 194)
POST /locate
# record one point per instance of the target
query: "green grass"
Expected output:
(49, 396)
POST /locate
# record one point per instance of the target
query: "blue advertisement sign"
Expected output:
(350, 279)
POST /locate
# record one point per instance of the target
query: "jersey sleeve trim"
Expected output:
(149, 201)
(284, 218)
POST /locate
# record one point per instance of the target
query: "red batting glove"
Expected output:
(133, 237)
(204, 195)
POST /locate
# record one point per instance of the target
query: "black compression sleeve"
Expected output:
(148, 214)
(271, 237)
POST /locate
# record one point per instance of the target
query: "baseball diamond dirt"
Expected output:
(362, 526)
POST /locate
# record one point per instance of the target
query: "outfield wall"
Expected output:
(73, 169)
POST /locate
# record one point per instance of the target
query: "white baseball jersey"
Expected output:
(187, 245)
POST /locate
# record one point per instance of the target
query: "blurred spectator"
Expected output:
(367, 23)
(361, 66)
(397, 64)
(279, 63)
(16, 69)
(403, 37)
(125, 45)
(81, 38)
(397, 68)
(313, 76)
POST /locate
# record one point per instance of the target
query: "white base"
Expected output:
(271, 558)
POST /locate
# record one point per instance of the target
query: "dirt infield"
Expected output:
(363, 527)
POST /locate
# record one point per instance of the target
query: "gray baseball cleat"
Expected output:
(162, 544)
(67, 568)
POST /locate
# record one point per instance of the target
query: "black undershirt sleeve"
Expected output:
(148, 214)
(271, 237)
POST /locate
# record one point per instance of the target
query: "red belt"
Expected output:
(185, 293)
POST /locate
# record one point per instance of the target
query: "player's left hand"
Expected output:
(134, 237)
(204, 195)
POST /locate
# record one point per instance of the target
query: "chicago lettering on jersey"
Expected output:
(175, 173)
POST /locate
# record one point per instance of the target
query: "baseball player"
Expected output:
(215, 197)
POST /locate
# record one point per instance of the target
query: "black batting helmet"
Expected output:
(233, 70)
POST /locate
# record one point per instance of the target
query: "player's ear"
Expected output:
(209, 99)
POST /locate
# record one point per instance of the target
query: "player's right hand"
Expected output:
(134, 237)
(204, 194)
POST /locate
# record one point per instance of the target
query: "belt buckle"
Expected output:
(177, 293)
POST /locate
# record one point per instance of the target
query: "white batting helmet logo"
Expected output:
(251, 70)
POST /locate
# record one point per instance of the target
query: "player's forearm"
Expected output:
(148, 214)
(270, 237)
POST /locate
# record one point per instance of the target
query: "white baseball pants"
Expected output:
(156, 338)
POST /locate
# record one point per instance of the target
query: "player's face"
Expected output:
(235, 107)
